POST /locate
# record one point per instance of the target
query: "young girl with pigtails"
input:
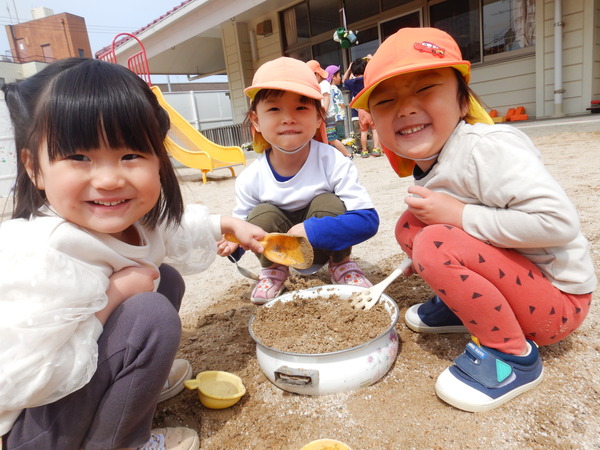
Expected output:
(89, 320)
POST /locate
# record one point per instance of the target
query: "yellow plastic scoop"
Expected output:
(286, 249)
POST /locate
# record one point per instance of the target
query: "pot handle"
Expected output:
(297, 377)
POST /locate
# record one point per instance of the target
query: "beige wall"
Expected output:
(595, 60)
(242, 61)
(578, 55)
(507, 84)
(14, 72)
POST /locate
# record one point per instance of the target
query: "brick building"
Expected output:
(49, 37)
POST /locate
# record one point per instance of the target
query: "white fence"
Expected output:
(204, 110)
(8, 156)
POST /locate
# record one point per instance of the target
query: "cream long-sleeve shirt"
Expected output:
(53, 279)
(512, 201)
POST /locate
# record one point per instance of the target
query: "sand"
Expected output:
(401, 410)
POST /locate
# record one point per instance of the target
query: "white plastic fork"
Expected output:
(368, 298)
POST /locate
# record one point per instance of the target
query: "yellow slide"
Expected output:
(192, 149)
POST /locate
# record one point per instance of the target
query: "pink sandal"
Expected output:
(271, 282)
(348, 273)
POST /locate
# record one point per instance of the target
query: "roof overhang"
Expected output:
(187, 40)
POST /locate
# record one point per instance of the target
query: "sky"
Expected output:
(104, 19)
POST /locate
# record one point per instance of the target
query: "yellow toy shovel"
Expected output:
(281, 248)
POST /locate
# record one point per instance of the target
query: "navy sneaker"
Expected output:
(433, 316)
(483, 378)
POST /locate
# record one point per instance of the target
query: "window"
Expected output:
(368, 41)
(388, 28)
(80, 52)
(460, 19)
(483, 29)
(508, 25)
(324, 16)
(327, 53)
(47, 53)
(308, 31)
(295, 24)
(389, 4)
(360, 9)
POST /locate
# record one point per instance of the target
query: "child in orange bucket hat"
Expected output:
(482, 224)
(299, 185)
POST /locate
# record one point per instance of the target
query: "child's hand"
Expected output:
(434, 207)
(124, 284)
(247, 234)
(298, 230)
(226, 248)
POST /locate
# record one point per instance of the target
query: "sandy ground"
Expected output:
(401, 410)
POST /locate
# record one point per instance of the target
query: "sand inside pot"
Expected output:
(318, 325)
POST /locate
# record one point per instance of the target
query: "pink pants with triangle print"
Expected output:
(500, 295)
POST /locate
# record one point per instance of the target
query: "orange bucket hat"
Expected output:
(316, 68)
(284, 74)
(410, 50)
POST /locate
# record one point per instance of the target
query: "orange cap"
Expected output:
(316, 68)
(285, 74)
(410, 50)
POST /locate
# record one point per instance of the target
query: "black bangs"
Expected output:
(264, 94)
(83, 109)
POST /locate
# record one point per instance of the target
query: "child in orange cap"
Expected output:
(298, 185)
(487, 227)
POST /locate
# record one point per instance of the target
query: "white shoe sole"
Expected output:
(177, 387)
(463, 396)
(414, 322)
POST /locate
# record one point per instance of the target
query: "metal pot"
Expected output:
(329, 373)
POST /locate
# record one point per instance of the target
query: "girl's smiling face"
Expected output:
(415, 113)
(104, 190)
(288, 121)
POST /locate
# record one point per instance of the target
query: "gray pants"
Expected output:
(275, 220)
(115, 409)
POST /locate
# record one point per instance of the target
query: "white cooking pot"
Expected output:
(329, 373)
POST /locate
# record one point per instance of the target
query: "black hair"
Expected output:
(263, 94)
(465, 93)
(79, 104)
(358, 67)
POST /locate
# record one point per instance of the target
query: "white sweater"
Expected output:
(325, 170)
(53, 279)
(513, 201)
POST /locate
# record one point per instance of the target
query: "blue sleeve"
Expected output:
(340, 232)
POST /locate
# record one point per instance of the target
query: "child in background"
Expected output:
(329, 107)
(335, 79)
(298, 185)
(354, 82)
(487, 227)
(88, 312)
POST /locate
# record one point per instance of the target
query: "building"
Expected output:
(540, 54)
(48, 37)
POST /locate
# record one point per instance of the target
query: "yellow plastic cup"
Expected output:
(325, 444)
(217, 389)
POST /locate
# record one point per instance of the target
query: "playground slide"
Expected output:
(192, 149)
